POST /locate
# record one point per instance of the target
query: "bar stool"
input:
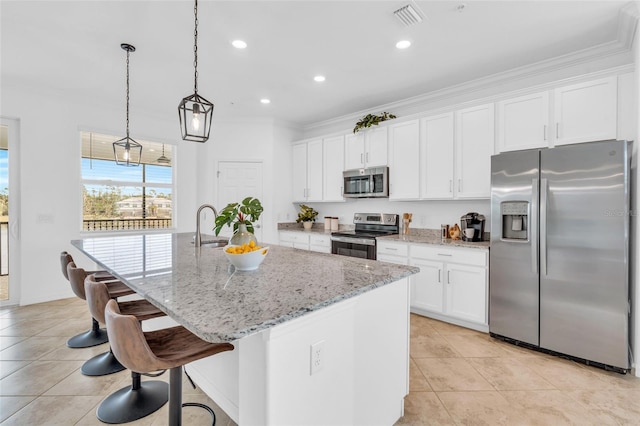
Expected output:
(141, 398)
(169, 348)
(96, 335)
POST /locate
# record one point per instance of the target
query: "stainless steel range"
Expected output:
(361, 242)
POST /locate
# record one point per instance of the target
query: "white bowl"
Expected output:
(247, 261)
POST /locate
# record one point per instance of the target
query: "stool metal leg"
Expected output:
(134, 402)
(95, 336)
(101, 365)
(175, 396)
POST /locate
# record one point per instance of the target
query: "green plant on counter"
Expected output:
(307, 214)
(246, 212)
(372, 120)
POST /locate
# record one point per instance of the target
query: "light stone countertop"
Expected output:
(432, 236)
(201, 290)
(416, 236)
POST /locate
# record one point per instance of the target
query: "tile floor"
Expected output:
(458, 377)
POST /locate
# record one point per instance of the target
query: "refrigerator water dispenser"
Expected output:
(515, 220)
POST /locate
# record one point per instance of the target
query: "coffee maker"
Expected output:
(473, 221)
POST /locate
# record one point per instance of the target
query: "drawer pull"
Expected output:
(391, 248)
(444, 254)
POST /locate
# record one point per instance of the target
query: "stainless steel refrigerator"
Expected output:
(559, 256)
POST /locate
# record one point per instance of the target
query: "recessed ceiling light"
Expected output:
(319, 78)
(265, 101)
(403, 44)
(239, 44)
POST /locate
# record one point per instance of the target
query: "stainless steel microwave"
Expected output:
(366, 183)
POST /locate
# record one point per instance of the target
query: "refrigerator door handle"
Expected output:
(543, 226)
(533, 225)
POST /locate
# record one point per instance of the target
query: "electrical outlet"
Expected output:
(317, 357)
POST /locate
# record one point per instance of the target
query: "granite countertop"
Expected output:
(201, 290)
(416, 236)
(432, 236)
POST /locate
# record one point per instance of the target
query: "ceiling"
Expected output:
(74, 47)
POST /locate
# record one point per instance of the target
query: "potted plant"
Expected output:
(241, 215)
(372, 120)
(307, 216)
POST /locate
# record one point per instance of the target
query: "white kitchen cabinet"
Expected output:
(436, 157)
(523, 122)
(474, 145)
(452, 284)
(404, 160)
(466, 290)
(427, 288)
(367, 148)
(294, 239)
(307, 171)
(333, 166)
(586, 111)
(303, 240)
(320, 243)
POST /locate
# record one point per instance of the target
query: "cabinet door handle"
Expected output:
(361, 158)
(557, 130)
(367, 157)
(439, 275)
(448, 277)
(450, 185)
(544, 132)
(459, 185)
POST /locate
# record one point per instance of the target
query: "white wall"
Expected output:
(50, 190)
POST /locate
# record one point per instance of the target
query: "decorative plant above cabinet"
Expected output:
(372, 119)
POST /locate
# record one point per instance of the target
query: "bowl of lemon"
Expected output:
(246, 257)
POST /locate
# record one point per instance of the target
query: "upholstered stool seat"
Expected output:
(141, 398)
(169, 348)
(95, 336)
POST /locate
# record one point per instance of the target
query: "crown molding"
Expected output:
(627, 26)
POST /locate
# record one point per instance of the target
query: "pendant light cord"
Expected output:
(127, 94)
(195, 49)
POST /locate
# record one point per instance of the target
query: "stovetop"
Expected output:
(371, 225)
(362, 234)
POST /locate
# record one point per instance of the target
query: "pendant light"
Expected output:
(195, 112)
(162, 159)
(126, 151)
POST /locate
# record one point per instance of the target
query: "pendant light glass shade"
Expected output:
(126, 151)
(195, 112)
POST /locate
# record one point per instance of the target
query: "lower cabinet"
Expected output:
(452, 284)
(305, 241)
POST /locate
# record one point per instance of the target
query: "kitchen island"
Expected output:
(320, 339)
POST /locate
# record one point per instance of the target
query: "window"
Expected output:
(116, 198)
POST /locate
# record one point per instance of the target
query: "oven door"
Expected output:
(364, 248)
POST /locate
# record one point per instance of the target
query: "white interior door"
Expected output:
(236, 181)
(10, 232)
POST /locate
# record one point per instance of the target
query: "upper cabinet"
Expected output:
(333, 165)
(474, 145)
(577, 113)
(436, 157)
(307, 171)
(586, 111)
(367, 148)
(404, 160)
(523, 122)
(317, 170)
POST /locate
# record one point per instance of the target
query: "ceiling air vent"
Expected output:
(409, 15)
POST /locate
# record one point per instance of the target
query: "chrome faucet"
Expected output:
(198, 242)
